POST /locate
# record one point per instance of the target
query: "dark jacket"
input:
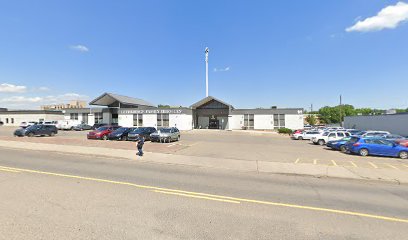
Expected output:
(140, 142)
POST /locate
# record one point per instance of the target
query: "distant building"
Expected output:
(72, 104)
(16, 117)
(394, 123)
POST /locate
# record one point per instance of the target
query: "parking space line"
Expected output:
(373, 165)
(297, 160)
(314, 161)
(334, 163)
(171, 145)
(352, 163)
(391, 166)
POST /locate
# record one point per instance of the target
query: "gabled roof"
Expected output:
(208, 99)
(107, 99)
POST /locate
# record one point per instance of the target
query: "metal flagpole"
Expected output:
(206, 71)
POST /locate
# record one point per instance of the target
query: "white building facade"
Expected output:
(394, 123)
(208, 113)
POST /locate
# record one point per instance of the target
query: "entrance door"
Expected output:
(214, 124)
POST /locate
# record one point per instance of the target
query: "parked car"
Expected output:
(376, 146)
(68, 124)
(120, 134)
(297, 132)
(98, 125)
(371, 133)
(141, 131)
(306, 135)
(393, 137)
(339, 144)
(1, 123)
(328, 136)
(36, 130)
(27, 124)
(402, 142)
(82, 126)
(165, 135)
(102, 132)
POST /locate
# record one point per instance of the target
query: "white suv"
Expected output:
(305, 135)
(329, 136)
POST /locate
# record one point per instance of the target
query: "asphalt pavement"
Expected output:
(62, 196)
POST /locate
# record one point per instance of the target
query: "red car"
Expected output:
(403, 142)
(102, 132)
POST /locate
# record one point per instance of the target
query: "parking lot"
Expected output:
(242, 145)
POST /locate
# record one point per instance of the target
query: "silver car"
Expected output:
(165, 135)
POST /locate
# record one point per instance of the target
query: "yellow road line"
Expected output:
(334, 163)
(297, 160)
(373, 165)
(391, 166)
(9, 170)
(314, 161)
(352, 163)
(196, 196)
(342, 212)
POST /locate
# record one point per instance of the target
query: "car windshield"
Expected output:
(326, 133)
(32, 127)
(102, 129)
(165, 130)
(121, 130)
(346, 139)
(354, 139)
(137, 130)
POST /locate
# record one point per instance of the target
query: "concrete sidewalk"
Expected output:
(221, 163)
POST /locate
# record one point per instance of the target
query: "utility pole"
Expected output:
(206, 71)
(311, 107)
(341, 112)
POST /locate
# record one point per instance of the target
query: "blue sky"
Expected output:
(262, 53)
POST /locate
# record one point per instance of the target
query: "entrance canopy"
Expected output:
(115, 100)
(211, 103)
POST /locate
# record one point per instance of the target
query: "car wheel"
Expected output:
(124, 138)
(343, 148)
(31, 135)
(403, 155)
(105, 137)
(178, 138)
(52, 134)
(81, 129)
(321, 142)
(72, 128)
(363, 152)
(300, 138)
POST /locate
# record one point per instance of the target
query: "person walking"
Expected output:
(140, 143)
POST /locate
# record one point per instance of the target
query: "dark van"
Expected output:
(37, 130)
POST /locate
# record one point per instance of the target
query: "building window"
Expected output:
(12, 120)
(249, 121)
(85, 118)
(74, 116)
(6, 120)
(162, 120)
(279, 121)
(138, 120)
(98, 117)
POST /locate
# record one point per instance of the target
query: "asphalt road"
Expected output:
(57, 196)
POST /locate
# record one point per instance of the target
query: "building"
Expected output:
(16, 117)
(394, 123)
(208, 113)
(72, 104)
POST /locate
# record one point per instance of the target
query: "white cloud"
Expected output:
(389, 17)
(21, 99)
(35, 102)
(10, 88)
(222, 69)
(80, 48)
(44, 89)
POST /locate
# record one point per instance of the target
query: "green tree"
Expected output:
(311, 119)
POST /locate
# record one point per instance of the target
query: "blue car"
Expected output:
(339, 144)
(376, 146)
